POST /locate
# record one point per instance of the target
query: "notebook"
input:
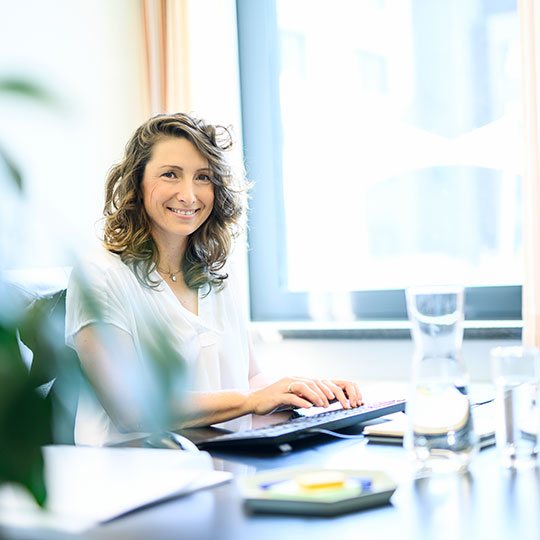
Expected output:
(391, 428)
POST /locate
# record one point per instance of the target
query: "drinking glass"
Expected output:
(516, 376)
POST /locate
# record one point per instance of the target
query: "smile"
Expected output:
(184, 212)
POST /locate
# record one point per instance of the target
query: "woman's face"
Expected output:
(178, 193)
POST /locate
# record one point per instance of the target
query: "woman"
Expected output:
(162, 282)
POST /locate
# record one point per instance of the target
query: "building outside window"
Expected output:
(384, 138)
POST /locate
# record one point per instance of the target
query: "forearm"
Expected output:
(207, 408)
(110, 360)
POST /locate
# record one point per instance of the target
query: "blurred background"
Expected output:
(384, 138)
(92, 57)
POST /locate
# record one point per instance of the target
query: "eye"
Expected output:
(169, 174)
(204, 177)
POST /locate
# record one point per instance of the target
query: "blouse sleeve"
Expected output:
(94, 296)
(239, 296)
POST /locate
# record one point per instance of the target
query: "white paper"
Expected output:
(88, 485)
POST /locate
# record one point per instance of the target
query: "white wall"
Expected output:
(364, 360)
(89, 55)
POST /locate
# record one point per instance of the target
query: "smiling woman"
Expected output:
(178, 197)
(128, 228)
(162, 290)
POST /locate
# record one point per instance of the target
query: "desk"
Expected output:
(488, 503)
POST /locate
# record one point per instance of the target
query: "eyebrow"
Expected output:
(171, 167)
(177, 167)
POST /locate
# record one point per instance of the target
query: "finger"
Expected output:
(330, 389)
(352, 391)
(294, 400)
(298, 402)
(326, 387)
(309, 390)
(355, 389)
(359, 398)
(340, 395)
(323, 389)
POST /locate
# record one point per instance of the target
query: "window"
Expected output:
(384, 140)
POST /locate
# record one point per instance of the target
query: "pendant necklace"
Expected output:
(172, 275)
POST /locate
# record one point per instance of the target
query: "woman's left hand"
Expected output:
(297, 392)
(346, 392)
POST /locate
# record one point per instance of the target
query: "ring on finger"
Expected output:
(289, 388)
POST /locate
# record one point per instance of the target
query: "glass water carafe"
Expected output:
(440, 435)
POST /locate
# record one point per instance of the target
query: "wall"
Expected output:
(367, 360)
(88, 56)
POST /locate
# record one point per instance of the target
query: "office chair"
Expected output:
(54, 368)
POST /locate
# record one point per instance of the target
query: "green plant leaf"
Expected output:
(19, 87)
(12, 169)
(23, 431)
(25, 421)
(25, 416)
(26, 89)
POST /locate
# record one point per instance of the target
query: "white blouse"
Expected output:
(214, 343)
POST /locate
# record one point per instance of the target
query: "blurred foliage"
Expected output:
(38, 397)
(55, 368)
(25, 415)
(37, 403)
(12, 169)
(14, 87)
(25, 420)
(27, 89)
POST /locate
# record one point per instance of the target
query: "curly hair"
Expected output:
(127, 230)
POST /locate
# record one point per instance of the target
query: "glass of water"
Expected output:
(440, 436)
(516, 376)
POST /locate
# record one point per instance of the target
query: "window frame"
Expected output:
(269, 300)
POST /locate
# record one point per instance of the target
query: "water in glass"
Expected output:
(441, 435)
(516, 377)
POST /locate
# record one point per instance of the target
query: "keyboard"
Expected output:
(302, 426)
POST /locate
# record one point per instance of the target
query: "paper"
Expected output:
(392, 427)
(88, 485)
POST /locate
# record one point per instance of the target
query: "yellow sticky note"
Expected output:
(321, 479)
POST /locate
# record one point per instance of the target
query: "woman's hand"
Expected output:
(298, 392)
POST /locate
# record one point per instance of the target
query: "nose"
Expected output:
(186, 192)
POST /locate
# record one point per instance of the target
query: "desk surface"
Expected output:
(487, 503)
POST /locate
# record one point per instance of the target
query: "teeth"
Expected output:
(183, 212)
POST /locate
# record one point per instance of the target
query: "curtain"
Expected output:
(166, 56)
(530, 39)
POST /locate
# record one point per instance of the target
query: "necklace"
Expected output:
(172, 275)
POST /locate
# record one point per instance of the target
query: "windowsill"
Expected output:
(377, 330)
(374, 351)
